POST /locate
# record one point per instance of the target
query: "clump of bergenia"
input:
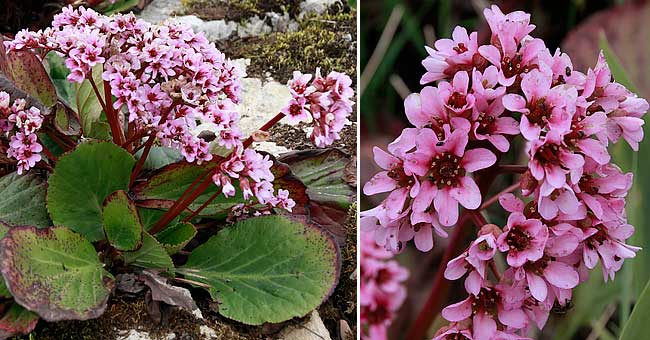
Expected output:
(566, 210)
(382, 291)
(140, 144)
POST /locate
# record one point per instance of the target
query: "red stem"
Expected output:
(112, 117)
(433, 304)
(518, 169)
(143, 157)
(495, 198)
(183, 202)
(203, 206)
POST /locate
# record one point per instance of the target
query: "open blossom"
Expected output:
(20, 123)
(566, 214)
(326, 100)
(447, 164)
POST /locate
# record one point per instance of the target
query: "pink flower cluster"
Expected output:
(167, 80)
(572, 214)
(326, 100)
(19, 125)
(382, 291)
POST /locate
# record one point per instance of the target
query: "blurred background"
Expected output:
(392, 37)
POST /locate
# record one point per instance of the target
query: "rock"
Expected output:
(159, 10)
(270, 147)
(138, 335)
(260, 102)
(213, 30)
(208, 333)
(312, 329)
(253, 27)
(315, 6)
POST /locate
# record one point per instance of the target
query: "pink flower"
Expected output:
(492, 306)
(523, 239)
(551, 161)
(543, 107)
(488, 123)
(450, 56)
(446, 164)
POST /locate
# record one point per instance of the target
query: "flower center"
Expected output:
(540, 112)
(457, 100)
(512, 66)
(538, 266)
(485, 123)
(548, 154)
(486, 302)
(400, 177)
(455, 336)
(446, 169)
(460, 48)
(518, 239)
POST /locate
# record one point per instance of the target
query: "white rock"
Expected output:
(207, 332)
(270, 147)
(159, 10)
(260, 102)
(315, 6)
(312, 329)
(253, 27)
(213, 30)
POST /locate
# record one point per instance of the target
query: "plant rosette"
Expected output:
(565, 210)
(108, 174)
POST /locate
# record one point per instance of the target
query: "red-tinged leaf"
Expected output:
(17, 321)
(55, 272)
(29, 74)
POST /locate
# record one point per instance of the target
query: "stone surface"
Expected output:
(312, 329)
(137, 335)
(159, 10)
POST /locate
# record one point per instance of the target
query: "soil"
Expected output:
(294, 137)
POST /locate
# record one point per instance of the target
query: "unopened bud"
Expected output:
(260, 136)
(490, 229)
(528, 182)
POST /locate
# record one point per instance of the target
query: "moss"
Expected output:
(238, 10)
(324, 41)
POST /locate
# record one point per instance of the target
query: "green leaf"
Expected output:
(323, 172)
(59, 73)
(87, 104)
(121, 222)
(55, 272)
(637, 325)
(81, 181)
(615, 66)
(167, 184)
(17, 321)
(22, 200)
(151, 255)
(176, 237)
(29, 74)
(149, 217)
(4, 291)
(266, 269)
(159, 156)
(119, 6)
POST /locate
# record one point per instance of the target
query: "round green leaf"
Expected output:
(81, 181)
(152, 255)
(175, 237)
(54, 272)
(121, 221)
(22, 200)
(266, 269)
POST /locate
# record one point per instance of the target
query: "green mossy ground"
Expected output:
(238, 10)
(325, 41)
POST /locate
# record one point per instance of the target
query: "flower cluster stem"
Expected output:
(264, 127)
